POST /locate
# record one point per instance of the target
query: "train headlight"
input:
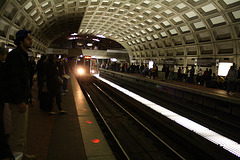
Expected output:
(93, 71)
(80, 71)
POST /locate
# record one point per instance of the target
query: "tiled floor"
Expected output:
(55, 137)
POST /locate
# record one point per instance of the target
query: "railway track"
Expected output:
(136, 134)
(208, 118)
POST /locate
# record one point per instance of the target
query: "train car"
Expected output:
(85, 67)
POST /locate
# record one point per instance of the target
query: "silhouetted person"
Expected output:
(54, 83)
(179, 74)
(232, 79)
(19, 92)
(41, 73)
(5, 152)
(32, 69)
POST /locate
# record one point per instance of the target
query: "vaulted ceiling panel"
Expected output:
(147, 24)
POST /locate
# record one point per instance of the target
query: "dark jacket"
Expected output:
(17, 77)
(66, 67)
(2, 88)
(41, 71)
(52, 76)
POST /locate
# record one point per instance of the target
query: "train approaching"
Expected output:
(85, 67)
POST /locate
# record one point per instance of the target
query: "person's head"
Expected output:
(51, 58)
(23, 39)
(43, 57)
(32, 58)
(3, 54)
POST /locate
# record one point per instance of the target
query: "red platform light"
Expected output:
(95, 140)
(89, 122)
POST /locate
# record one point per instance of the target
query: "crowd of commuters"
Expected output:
(186, 74)
(17, 72)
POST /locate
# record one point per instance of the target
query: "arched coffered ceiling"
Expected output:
(47, 19)
(146, 28)
(153, 28)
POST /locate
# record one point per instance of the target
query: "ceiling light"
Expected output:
(100, 36)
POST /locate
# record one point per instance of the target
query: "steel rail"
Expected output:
(169, 147)
(113, 135)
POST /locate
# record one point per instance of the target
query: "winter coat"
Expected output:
(53, 76)
(17, 77)
(232, 75)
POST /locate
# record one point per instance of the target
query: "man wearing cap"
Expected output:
(19, 92)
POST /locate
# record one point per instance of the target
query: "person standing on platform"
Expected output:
(199, 76)
(186, 74)
(5, 152)
(182, 74)
(179, 76)
(154, 71)
(18, 93)
(232, 79)
(141, 70)
(192, 71)
(54, 84)
(32, 69)
(205, 77)
(41, 77)
(65, 74)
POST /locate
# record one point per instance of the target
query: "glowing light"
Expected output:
(95, 140)
(150, 64)
(87, 57)
(113, 59)
(93, 71)
(80, 71)
(71, 38)
(224, 68)
(100, 36)
(226, 143)
(96, 40)
(89, 122)
(89, 44)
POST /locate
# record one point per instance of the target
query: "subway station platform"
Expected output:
(76, 135)
(197, 87)
(214, 98)
(71, 136)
